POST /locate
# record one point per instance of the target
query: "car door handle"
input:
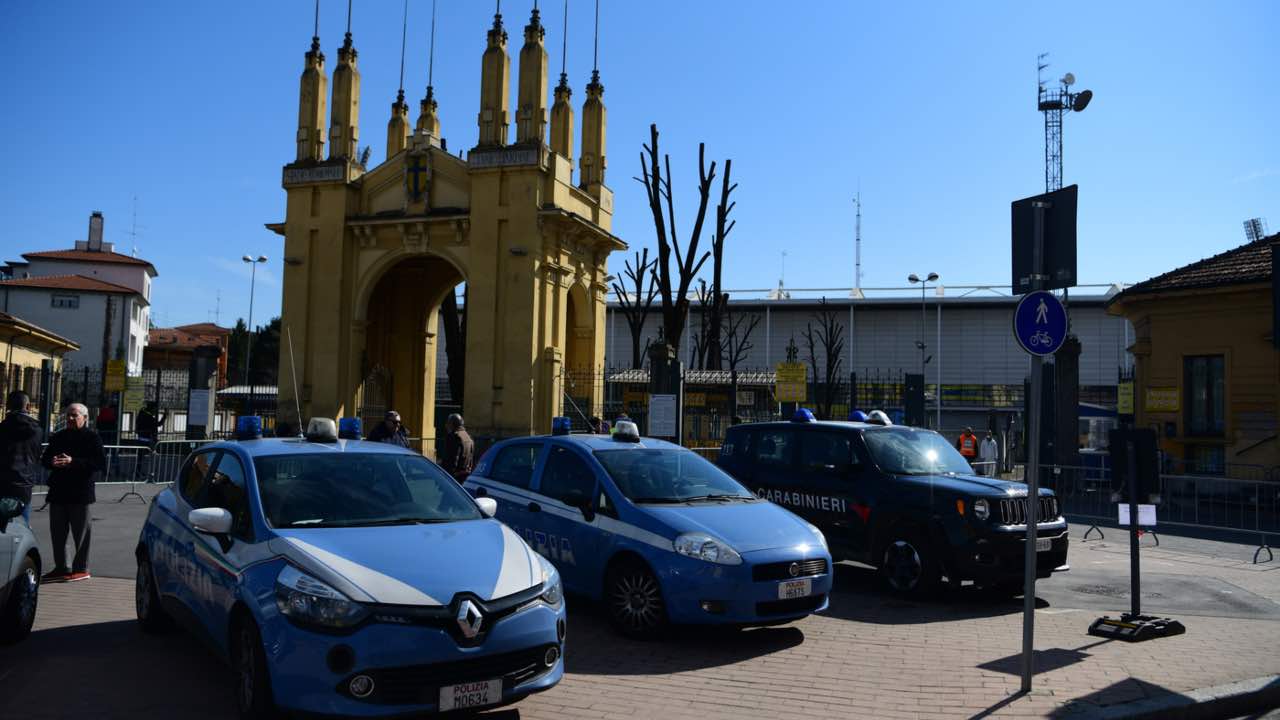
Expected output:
(533, 507)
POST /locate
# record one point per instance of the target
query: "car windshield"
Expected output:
(911, 451)
(652, 475)
(358, 489)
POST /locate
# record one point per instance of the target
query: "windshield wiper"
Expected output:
(655, 500)
(399, 521)
(720, 496)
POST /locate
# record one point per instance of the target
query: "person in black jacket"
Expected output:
(389, 431)
(19, 451)
(76, 461)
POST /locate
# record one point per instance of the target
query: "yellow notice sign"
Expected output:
(114, 382)
(1124, 398)
(134, 394)
(792, 382)
(1162, 399)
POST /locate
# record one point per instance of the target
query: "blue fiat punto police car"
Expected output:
(657, 532)
(348, 577)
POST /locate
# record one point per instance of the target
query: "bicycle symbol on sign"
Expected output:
(1041, 339)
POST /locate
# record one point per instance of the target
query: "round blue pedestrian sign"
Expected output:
(1040, 323)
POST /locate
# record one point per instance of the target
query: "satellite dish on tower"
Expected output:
(1068, 79)
(1081, 100)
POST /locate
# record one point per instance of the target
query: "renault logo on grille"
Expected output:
(469, 619)
(794, 569)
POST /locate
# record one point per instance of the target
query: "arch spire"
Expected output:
(311, 99)
(495, 84)
(428, 117)
(344, 123)
(562, 110)
(398, 126)
(531, 113)
(592, 162)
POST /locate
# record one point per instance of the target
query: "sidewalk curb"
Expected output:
(1221, 701)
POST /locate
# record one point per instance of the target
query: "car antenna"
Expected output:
(293, 375)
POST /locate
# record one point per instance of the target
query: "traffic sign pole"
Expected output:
(1032, 472)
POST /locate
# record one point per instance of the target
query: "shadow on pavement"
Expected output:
(859, 594)
(1043, 660)
(112, 670)
(595, 648)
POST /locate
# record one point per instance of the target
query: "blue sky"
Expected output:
(928, 108)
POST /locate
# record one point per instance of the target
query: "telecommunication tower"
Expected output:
(1055, 104)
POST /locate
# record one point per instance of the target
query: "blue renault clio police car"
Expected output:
(655, 531)
(343, 577)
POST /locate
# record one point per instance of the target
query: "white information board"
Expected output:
(198, 407)
(1146, 515)
(662, 416)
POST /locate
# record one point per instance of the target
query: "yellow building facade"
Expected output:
(1207, 368)
(371, 253)
(23, 349)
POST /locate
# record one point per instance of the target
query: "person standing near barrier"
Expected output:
(390, 431)
(457, 455)
(19, 451)
(989, 455)
(147, 428)
(76, 461)
(967, 444)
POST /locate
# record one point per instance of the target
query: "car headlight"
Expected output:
(705, 547)
(552, 588)
(981, 509)
(822, 539)
(305, 599)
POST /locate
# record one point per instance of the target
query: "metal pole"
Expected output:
(922, 321)
(248, 345)
(938, 351)
(1033, 470)
(1136, 592)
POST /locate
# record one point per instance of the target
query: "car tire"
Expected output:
(19, 611)
(910, 565)
(634, 600)
(253, 681)
(146, 601)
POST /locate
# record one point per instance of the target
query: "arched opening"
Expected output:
(401, 363)
(581, 376)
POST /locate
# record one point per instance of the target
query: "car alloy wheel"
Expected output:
(903, 567)
(253, 684)
(29, 582)
(635, 601)
(142, 592)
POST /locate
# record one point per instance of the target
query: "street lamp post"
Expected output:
(913, 279)
(248, 345)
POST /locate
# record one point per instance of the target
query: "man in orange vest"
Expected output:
(967, 444)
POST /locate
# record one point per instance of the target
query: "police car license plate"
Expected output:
(1044, 544)
(795, 589)
(469, 695)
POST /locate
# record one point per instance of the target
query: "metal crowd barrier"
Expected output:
(136, 464)
(1190, 501)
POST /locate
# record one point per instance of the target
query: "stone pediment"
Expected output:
(443, 178)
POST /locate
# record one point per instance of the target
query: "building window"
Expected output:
(65, 301)
(1205, 384)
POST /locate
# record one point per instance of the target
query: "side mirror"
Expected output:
(588, 512)
(211, 520)
(488, 506)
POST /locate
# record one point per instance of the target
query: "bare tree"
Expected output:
(830, 336)
(455, 341)
(635, 306)
(719, 307)
(702, 351)
(674, 289)
(737, 344)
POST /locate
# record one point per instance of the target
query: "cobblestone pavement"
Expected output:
(869, 656)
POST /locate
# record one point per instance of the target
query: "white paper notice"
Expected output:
(1146, 515)
(662, 416)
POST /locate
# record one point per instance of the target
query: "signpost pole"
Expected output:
(1132, 468)
(1033, 467)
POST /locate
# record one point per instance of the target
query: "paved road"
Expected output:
(871, 655)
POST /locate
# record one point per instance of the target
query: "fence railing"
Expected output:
(1184, 500)
(136, 464)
